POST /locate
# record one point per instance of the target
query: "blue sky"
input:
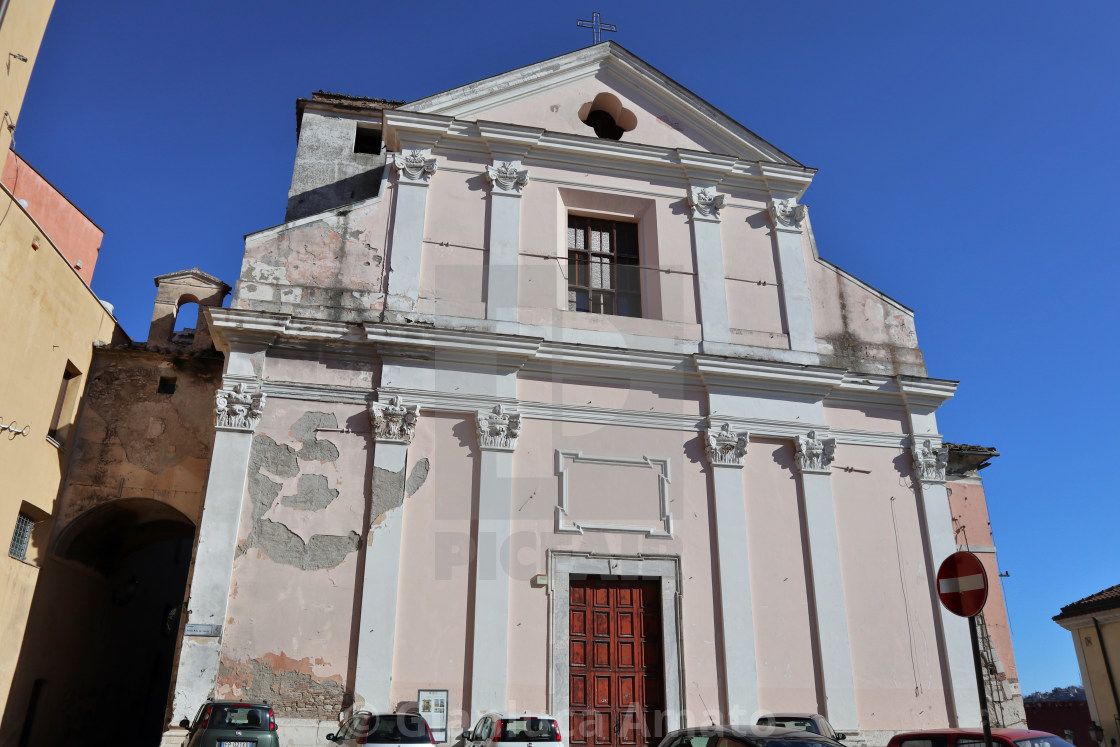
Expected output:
(966, 154)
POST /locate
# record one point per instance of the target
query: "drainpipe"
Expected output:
(1107, 668)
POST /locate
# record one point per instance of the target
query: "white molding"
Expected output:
(1104, 617)
(787, 215)
(239, 407)
(705, 204)
(575, 527)
(930, 459)
(393, 421)
(415, 166)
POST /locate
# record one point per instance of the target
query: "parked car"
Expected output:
(745, 736)
(975, 738)
(383, 729)
(232, 723)
(496, 728)
(813, 722)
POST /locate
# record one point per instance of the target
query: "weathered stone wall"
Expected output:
(328, 173)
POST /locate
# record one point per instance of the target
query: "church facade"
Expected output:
(543, 396)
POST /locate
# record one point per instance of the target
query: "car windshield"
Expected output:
(239, 716)
(793, 743)
(1048, 740)
(528, 730)
(401, 728)
(804, 724)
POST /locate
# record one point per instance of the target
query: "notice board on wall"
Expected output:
(433, 707)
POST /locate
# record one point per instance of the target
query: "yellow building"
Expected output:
(49, 322)
(1095, 624)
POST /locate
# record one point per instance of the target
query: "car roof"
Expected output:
(240, 701)
(1008, 733)
(790, 714)
(524, 714)
(754, 731)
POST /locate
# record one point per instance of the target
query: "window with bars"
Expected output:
(21, 537)
(603, 269)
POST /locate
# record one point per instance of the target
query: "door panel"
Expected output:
(615, 650)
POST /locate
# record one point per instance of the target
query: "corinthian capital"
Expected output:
(725, 447)
(507, 177)
(239, 408)
(705, 202)
(814, 454)
(393, 420)
(787, 214)
(929, 462)
(415, 166)
(498, 428)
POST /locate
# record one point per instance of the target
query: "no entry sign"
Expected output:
(962, 584)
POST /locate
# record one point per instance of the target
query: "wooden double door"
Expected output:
(616, 664)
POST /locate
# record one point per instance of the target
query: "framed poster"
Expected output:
(433, 707)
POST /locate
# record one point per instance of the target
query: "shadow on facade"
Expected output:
(96, 662)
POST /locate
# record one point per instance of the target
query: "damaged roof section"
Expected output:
(343, 103)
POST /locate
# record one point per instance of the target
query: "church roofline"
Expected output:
(604, 52)
(194, 272)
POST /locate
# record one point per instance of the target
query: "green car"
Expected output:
(230, 723)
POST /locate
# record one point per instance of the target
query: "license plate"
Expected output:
(236, 744)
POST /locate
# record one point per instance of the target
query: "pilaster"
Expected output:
(930, 459)
(507, 179)
(726, 450)
(498, 430)
(414, 167)
(705, 204)
(814, 456)
(393, 423)
(787, 217)
(238, 409)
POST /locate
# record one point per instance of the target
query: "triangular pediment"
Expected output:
(554, 94)
(193, 276)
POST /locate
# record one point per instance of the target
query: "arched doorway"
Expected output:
(101, 633)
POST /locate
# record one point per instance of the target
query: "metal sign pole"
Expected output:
(980, 682)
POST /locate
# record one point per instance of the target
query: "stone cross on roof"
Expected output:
(596, 26)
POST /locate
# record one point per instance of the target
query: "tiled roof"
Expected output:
(1103, 600)
(362, 101)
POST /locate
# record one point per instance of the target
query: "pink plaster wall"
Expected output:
(434, 628)
(455, 239)
(535, 497)
(68, 228)
(316, 645)
(334, 263)
(557, 110)
(779, 594)
(969, 507)
(887, 592)
(849, 415)
(638, 397)
(754, 310)
(321, 370)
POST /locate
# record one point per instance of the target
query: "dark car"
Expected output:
(975, 738)
(745, 736)
(390, 729)
(232, 723)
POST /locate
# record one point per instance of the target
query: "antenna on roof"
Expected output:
(596, 26)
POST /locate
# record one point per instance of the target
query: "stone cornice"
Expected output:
(759, 376)
(464, 346)
(404, 129)
(1080, 622)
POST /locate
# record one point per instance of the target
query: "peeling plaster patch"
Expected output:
(282, 545)
(254, 292)
(417, 478)
(291, 295)
(312, 494)
(287, 684)
(314, 449)
(389, 490)
(276, 541)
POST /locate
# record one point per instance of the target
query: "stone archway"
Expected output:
(103, 626)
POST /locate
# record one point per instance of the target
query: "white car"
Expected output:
(810, 722)
(383, 729)
(494, 729)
